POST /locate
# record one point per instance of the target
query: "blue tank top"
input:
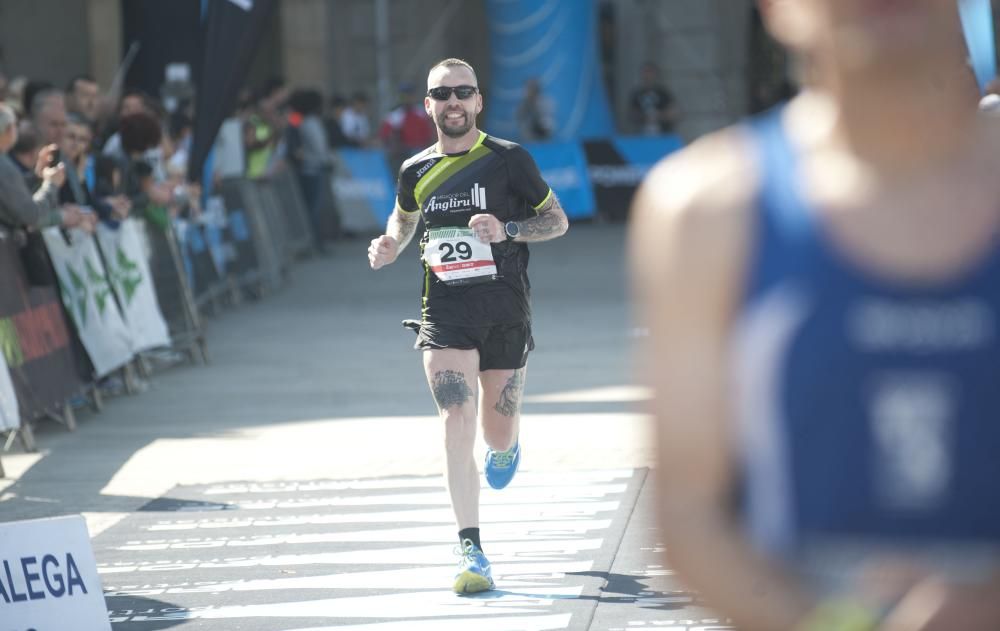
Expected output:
(869, 411)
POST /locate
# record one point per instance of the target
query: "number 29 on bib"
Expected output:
(457, 257)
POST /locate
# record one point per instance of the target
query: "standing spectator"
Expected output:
(29, 91)
(18, 206)
(48, 115)
(652, 105)
(24, 153)
(82, 98)
(141, 132)
(354, 120)
(180, 133)
(535, 113)
(261, 130)
(132, 102)
(407, 129)
(335, 135)
(15, 94)
(81, 175)
(309, 154)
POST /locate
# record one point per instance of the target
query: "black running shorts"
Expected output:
(501, 346)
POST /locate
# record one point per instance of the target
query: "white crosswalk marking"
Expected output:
(377, 555)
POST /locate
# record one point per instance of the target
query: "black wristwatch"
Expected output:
(512, 230)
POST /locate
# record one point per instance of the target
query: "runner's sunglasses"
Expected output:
(443, 93)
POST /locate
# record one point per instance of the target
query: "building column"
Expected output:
(104, 27)
(304, 40)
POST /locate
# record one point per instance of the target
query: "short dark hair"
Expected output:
(147, 100)
(452, 62)
(72, 118)
(306, 101)
(139, 132)
(27, 140)
(71, 86)
(31, 90)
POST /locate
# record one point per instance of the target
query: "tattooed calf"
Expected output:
(510, 396)
(450, 388)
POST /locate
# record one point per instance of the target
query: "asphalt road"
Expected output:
(295, 482)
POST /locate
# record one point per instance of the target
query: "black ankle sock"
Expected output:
(472, 534)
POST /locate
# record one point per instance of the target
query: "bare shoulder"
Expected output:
(691, 212)
(710, 182)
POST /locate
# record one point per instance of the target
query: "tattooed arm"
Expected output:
(402, 226)
(400, 229)
(551, 222)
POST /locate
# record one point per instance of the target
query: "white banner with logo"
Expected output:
(49, 577)
(128, 271)
(87, 294)
(10, 416)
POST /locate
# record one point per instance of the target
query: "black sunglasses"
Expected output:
(443, 93)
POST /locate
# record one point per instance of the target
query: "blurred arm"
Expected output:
(688, 244)
(18, 207)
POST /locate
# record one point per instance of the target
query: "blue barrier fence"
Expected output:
(592, 178)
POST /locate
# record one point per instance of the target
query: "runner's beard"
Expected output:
(451, 130)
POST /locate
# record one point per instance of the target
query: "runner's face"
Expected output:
(454, 117)
(864, 32)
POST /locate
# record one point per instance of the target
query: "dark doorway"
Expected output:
(167, 32)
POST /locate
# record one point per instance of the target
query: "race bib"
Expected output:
(457, 257)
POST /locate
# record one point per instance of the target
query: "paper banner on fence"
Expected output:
(9, 415)
(128, 271)
(87, 294)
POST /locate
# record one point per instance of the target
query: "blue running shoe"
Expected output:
(502, 465)
(474, 574)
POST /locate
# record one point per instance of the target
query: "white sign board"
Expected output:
(89, 298)
(9, 415)
(48, 576)
(129, 275)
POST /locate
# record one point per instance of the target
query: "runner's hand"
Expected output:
(487, 228)
(382, 251)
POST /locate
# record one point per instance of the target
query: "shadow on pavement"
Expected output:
(136, 613)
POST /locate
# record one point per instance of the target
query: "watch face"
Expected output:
(511, 229)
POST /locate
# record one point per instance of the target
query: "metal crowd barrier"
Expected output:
(174, 294)
(39, 344)
(293, 207)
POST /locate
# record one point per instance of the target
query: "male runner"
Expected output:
(822, 289)
(482, 200)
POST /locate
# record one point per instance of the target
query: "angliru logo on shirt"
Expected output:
(458, 202)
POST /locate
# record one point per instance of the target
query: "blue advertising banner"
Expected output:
(977, 23)
(554, 42)
(564, 167)
(364, 188)
(617, 166)
(645, 151)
